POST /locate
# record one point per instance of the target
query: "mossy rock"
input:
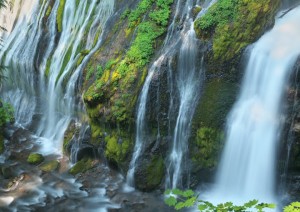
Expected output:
(70, 133)
(35, 158)
(207, 146)
(116, 148)
(50, 166)
(155, 172)
(150, 173)
(197, 9)
(209, 122)
(81, 166)
(8, 172)
(216, 101)
(234, 24)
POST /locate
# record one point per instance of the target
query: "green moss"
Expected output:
(81, 166)
(6, 114)
(207, 147)
(234, 24)
(65, 62)
(97, 132)
(116, 148)
(60, 13)
(122, 77)
(48, 65)
(50, 166)
(49, 9)
(216, 102)
(155, 172)
(71, 131)
(293, 207)
(209, 122)
(35, 158)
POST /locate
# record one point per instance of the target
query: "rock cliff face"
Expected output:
(113, 79)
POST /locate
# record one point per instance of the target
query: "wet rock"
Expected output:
(86, 150)
(137, 201)
(195, 11)
(36, 118)
(50, 166)
(8, 172)
(82, 166)
(150, 168)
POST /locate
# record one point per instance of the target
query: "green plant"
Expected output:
(184, 199)
(6, 113)
(99, 71)
(234, 24)
(293, 207)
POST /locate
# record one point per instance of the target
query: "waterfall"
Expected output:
(247, 169)
(188, 85)
(46, 63)
(187, 82)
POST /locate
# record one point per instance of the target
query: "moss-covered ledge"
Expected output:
(231, 25)
(116, 73)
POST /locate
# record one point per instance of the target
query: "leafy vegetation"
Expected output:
(234, 24)
(293, 207)
(3, 4)
(6, 113)
(127, 73)
(185, 199)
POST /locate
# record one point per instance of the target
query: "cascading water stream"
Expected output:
(141, 110)
(247, 169)
(42, 84)
(187, 82)
(61, 64)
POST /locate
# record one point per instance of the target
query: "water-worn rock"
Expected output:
(49, 166)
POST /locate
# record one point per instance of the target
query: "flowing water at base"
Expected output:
(247, 168)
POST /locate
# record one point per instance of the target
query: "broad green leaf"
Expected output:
(171, 201)
(188, 193)
(176, 191)
(190, 202)
(179, 205)
(202, 207)
(251, 203)
(168, 192)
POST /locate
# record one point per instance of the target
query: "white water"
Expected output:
(140, 124)
(141, 111)
(247, 169)
(47, 104)
(187, 83)
(51, 97)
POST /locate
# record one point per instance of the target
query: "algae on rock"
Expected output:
(234, 24)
